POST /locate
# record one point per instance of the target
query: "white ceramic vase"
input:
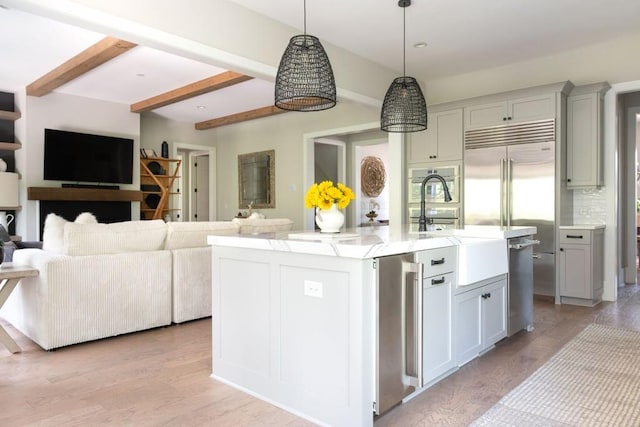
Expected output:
(3, 166)
(330, 220)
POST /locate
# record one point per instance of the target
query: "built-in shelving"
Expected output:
(6, 142)
(10, 115)
(164, 181)
(10, 146)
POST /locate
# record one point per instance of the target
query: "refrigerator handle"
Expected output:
(509, 206)
(502, 192)
(417, 270)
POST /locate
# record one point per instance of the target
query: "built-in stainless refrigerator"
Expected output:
(509, 180)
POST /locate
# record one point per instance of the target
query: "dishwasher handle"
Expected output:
(523, 244)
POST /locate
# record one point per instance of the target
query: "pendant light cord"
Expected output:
(404, 41)
(304, 8)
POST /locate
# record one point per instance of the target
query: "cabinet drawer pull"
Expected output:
(437, 281)
(574, 236)
(437, 261)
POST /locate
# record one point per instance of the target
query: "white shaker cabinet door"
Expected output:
(437, 331)
(467, 326)
(494, 313)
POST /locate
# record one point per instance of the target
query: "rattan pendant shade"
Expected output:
(404, 108)
(305, 81)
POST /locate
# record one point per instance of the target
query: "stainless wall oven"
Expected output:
(440, 215)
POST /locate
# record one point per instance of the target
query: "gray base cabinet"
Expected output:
(438, 282)
(480, 318)
(580, 262)
(437, 353)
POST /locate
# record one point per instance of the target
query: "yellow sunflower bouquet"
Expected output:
(325, 194)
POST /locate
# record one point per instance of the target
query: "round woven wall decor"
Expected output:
(372, 175)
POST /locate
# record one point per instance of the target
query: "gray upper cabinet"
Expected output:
(442, 141)
(584, 136)
(512, 111)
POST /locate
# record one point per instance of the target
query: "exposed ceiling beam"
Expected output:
(219, 81)
(90, 58)
(267, 111)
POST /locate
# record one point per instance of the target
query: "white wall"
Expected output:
(613, 62)
(364, 202)
(154, 129)
(72, 113)
(284, 134)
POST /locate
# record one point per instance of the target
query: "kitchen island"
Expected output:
(295, 313)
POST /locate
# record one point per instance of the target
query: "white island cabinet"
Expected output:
(294, 315)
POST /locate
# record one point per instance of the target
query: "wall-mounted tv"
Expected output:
(82, 157)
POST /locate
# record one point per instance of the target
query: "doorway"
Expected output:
(197, 183)
(353, 136)
(199, 186)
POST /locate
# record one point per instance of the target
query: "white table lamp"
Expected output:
(9, 190)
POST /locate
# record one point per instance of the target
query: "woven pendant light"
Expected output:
(404, 108)
(305, 81)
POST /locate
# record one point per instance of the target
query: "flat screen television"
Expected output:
(82, 157)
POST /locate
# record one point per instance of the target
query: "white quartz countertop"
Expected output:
(582, 227)
(367, 242)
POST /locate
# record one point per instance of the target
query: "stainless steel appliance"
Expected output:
(520, 287)
(399, 329)
(434, 191)
(509, 178)
(441, 215)
(442, 218)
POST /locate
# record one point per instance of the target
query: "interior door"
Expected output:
(199, 186)
(483, 187)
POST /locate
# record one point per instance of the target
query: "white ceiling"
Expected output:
(462, 36)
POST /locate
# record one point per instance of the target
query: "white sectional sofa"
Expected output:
(104, 280)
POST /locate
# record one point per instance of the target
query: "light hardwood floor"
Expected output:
(161, 377)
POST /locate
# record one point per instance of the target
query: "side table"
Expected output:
(10, 275)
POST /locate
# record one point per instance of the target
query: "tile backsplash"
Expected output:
(589, 206)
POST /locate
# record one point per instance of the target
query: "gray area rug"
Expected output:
(594, 380)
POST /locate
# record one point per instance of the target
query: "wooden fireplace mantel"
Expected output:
(83, 194)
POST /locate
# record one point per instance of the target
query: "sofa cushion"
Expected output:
(53, 233)
(86, 218)
(127, 236)
(259, 225)
(194, 234)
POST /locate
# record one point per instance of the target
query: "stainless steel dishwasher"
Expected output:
(520, 287)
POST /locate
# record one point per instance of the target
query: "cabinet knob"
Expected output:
(561, 250)
(569, 180)
(504, 119)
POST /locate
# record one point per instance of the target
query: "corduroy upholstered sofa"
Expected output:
(105, 280)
